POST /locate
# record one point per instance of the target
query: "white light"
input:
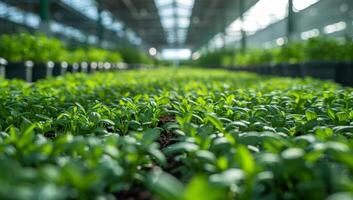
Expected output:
(175, 18)
(196, 55)
(336, 27)
(176, 54)
(264, 13)
(153, 51)
(302, 4)
(310, 34)
(280, 41)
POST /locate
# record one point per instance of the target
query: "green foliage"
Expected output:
(39, 48)
(175, 134)
(290, 53)
(314, 49)
(218, 58)
(93, 55)
(328, 49)
(132, 55)
(254, 57)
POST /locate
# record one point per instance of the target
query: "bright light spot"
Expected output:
(332, 28)
(153, 51)
(219, 40)
(176, 54)
(18, 15)
(89, 9)
(92, 39)
(280, 41)
(310, 34)
(196, 55)
(302, 4)
(175, 18)
(264, 13)
(260, 16)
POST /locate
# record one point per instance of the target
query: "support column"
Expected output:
(290, 21)
(243, 33)
(99, 22)
(223, 29)
(125, 40)
(44, 13)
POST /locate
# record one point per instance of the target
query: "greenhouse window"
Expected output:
(310, 34)
(175, 18)
(336, 27)
(176, 54)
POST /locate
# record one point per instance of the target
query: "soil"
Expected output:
(166, 137)
(135, 193)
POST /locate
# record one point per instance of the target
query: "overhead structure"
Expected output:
(191, 24)
(44, 12)
(77, 18)
(141, 16)
(159, 23)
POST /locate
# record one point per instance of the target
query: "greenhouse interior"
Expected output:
(176, 99)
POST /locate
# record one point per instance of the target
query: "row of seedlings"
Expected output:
(32, 72)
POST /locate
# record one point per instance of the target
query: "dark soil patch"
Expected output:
(135, 193)
(172, 167)
(165, 119)
(166, 139)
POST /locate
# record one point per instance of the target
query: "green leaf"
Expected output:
(215, 121)
(27, 137)
(331, 114)
(165, 186)
(323, 133)
(343, 129)
(200, 188)
(310, 115)
(342, 116)
(180, 147)
(292, 153)
(228, 177)
(107, 122)
(159, 156)
(341, 196)
(246, 160)
(149, 136)
(205, 156)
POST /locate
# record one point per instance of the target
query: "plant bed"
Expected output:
(276, 70)
(73, 68)
(84, 67)
(320, 69)
(344, 73)
(19, 70)
(42, 70)
(291, 70)
(57, 70)
(264, 69)
(172, 134)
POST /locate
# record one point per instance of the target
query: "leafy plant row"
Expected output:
(314, 49)
(39, 48)
(175, 134)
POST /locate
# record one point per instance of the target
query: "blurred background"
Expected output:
(179, 29)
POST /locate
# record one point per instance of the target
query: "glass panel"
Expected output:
(175, 17)
(302, 4)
